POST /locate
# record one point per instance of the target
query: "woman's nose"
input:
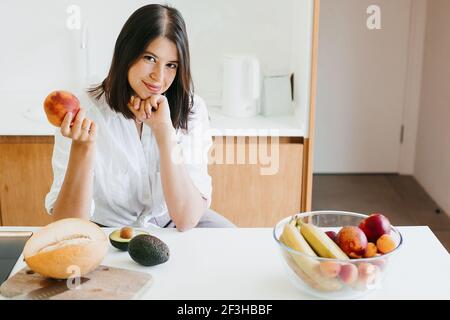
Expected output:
(157, 74)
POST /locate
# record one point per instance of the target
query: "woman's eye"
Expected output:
(172, 66)
(150, 58)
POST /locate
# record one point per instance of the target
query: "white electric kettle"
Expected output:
(241, 88)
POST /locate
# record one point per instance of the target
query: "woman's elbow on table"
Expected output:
(186, 224)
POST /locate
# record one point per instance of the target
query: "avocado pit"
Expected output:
(121, 238)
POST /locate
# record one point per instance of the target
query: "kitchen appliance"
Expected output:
(277, 95)
(11, 246)
(241, 88)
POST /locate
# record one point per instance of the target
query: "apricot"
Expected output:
(330, 269)
(352, 241)
(385, 243)
(348, 273)
(369, 274)
(371, 250)
(58, 103)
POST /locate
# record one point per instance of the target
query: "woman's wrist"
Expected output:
(163, 131)
(83, 149)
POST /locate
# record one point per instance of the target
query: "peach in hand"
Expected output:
(352, 241)
(58, 103)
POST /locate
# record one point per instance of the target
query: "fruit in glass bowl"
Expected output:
(333, 277)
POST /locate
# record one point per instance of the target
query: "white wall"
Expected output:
(432, 167)
(361, 86)
(37, 52)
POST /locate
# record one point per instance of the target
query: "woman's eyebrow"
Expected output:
(173, 61)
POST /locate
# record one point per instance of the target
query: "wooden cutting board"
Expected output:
(105, 283)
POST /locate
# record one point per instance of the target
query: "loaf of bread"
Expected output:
(65, 247)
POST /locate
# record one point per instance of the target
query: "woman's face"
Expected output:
(155, 69)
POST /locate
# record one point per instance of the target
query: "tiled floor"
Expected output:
(400, 198)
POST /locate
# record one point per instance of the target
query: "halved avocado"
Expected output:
(122, 243)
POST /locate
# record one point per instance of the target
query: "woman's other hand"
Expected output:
(82, 131)
(154, 111)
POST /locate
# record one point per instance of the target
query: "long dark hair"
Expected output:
(142, 27)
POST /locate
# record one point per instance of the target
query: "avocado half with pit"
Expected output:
(121, 238)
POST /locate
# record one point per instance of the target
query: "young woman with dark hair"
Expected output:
(114, 161)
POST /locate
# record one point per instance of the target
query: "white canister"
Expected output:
(241, 88)
(277, 95)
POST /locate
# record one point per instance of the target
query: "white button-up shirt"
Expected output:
(127, 186)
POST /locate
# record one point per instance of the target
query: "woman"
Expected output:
(114, 162)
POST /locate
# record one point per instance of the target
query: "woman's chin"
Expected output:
(143, 94)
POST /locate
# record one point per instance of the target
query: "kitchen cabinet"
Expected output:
(251, 194)
(257, 194)
(26, 177)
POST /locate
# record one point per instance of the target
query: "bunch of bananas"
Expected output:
(312, 242)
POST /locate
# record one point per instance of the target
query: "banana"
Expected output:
(306, 268)
(323, 245)
(295, 239)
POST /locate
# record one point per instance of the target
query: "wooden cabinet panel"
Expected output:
(242, 189)
(25, 178)
(246, 196)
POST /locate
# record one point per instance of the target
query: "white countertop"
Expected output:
(274, 126)
(244, 263)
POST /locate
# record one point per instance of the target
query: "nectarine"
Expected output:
(352, 241)
(58, 103)
(374, 226)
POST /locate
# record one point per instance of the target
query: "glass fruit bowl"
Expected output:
(330, 278)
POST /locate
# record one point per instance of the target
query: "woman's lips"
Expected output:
(152, 88)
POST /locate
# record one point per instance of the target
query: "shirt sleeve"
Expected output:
(60, 159)
(195, 145)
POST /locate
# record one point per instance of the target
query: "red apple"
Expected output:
(58, 103)
(332, 235)
(374, 226)
(352, 241)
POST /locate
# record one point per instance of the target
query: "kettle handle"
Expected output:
(255, 78)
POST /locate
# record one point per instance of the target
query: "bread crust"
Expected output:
(61, 263)
(55, 252)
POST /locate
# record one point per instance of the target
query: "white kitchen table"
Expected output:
(244, 263)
